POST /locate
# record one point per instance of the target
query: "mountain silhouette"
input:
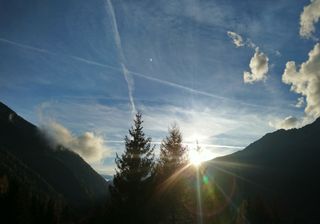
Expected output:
(275, 178)
(28, 162)
(281, 168)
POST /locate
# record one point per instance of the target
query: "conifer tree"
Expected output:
(134, 174)
(172, 152)
(170, 168)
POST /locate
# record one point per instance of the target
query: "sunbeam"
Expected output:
(159, 112)
(199, 197)
(164, 186)
(236, 175)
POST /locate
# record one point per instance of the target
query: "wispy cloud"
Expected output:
(205, 12)
(239, 41)
(126, 74)
(200, 123)
(236, 39)
(287, 123)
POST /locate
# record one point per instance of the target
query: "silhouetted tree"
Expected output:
(131, 187)
(170, 181)
(172, 152)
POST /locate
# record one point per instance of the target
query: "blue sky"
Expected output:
(77, 63)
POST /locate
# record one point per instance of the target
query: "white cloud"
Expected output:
(305, 80)
(300, 102)
(259, 62)
(204, 12)
(239, 41)
(236, 39)
(287, 123)
(258, 66)
(308, 18)
(88, 145)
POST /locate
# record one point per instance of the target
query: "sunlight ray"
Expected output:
(240, 177)
(171, 180)
(199, 198)
(233, 164)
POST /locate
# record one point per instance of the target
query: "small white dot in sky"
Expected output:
(150, 59)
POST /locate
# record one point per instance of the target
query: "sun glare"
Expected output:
(196, 158)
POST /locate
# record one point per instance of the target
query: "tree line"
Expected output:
(140, 189)
(150, 190)
(146, 188)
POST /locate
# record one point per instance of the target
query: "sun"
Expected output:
(196, 158)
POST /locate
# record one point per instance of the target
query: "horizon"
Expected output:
(224, 72)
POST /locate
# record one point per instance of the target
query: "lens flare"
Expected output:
(196, 158)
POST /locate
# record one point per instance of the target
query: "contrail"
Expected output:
(137, 74)
(187, 143)
(126, 74)
(28, 47)
(123, 69)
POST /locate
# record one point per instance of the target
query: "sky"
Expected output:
(227, 72)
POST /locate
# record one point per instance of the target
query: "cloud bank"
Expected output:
(258, 66)
(305, 80)
(308, 18)
(287, 123)
(88, 145)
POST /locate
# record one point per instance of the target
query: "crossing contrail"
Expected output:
(95, 63)
(126, 74)
(137, 74)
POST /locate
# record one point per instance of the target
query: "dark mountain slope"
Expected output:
(280, 168)
(29, 158)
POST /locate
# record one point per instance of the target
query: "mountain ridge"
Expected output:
(280, 168)
(57, 172)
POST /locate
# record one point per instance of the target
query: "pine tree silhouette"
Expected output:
(170, 170)
(132, 182)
